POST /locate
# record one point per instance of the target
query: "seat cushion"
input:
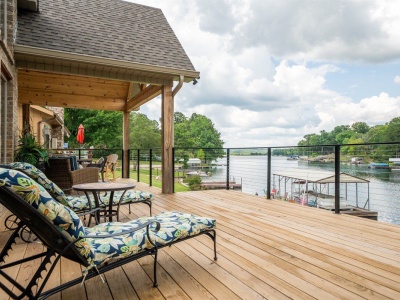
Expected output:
(61, 216)
(79, 202)
(116, 247)
(131, 196)
(174, 226)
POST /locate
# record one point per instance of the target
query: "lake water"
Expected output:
(383, 189)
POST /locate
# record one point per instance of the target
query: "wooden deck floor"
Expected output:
(266, 249)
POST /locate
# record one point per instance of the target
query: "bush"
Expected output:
(194, 182)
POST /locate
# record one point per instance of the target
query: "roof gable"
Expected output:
(112, 29)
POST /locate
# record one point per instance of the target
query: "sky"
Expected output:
(273, 71)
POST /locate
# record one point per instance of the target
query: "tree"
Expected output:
(392, 131)
(102, 128)
(360, 127)
(144, 133)
(197, 132)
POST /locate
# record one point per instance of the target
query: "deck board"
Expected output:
(266, 249)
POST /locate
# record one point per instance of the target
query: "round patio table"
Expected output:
(96, 188)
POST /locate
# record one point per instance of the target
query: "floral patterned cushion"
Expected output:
(118, 246)
(79, 202)
(62, 217)
(130, 196)
(174, 226)
(42, 179)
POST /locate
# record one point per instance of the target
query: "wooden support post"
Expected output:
(125, 145)
(167, 124)
(26, 118)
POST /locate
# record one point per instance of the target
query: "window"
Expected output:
(3, 19)
(3, 120)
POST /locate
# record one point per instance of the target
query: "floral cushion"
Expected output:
(42, 179)
(174, 226)
(130, 196)
(62, 217)
(119, 246)
(79, 202)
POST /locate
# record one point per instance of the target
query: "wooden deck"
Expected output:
(266, 249)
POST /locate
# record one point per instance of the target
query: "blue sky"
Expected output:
(272, 71)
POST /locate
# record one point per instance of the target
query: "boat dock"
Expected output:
(214, 185)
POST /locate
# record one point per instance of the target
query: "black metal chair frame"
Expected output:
(59, 246)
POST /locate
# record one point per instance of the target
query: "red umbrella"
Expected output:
(81, 134)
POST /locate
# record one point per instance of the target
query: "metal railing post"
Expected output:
(129, 163)
(173, 170)
(337, 179)
(138, 165)
(269, 174)
(79, 153)
(151, 167)
(122, 162)
(227, 168)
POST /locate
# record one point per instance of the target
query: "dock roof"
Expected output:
(313, 176)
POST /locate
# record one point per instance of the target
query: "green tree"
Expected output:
(102, 128)
(392, 131)
(344, 136)
(144, 133)
(360, 127)
(197, 132)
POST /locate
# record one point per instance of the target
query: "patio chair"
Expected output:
(100, 164)
(98, 249)
(111, 166)
(61, 171)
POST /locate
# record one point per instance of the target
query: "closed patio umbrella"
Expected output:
(81, 134)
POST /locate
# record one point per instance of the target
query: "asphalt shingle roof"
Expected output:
(112, 29)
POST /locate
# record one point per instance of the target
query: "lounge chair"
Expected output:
(98, 249)
(80, 203)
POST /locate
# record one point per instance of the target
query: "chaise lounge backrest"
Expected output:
(39, 224)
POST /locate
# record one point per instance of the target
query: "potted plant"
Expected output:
(29, 150)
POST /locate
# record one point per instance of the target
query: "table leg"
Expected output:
(119, 204)
(97, 203)
(110, 205)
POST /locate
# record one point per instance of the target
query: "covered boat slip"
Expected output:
(313, 188)
(267, 249)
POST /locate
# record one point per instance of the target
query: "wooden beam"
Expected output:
(26, 119)
(39, 81)
(70, 100)
(167, 123)
(144, 96)
(125, 144)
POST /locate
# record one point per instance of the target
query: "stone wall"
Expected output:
(9, 73)
(58, 132)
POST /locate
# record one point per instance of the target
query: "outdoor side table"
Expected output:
(98, 187)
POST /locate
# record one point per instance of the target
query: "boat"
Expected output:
(378, 165)
(293, 157)
(356, 161)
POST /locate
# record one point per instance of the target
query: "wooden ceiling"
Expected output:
(74, 91)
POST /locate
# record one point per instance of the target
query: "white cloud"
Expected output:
(265, 65)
